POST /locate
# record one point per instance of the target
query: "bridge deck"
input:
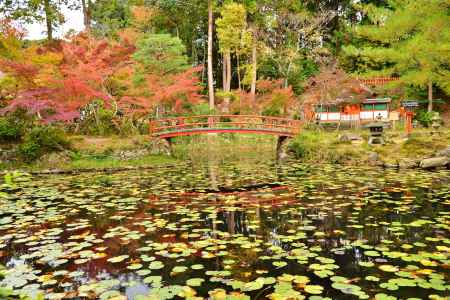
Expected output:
(194, 131)
(192, 125)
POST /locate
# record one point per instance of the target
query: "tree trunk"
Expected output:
(48, 20)
(430, 96)
(86, 6)
(239, 70)
(254, 74)
(227, 88)
(224, 72)
(210, 55)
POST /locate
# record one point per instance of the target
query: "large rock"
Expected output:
(131, 154)
(435, 162)
(160, 146)
(7, 155)
(373, 159)
(285, 154)
(445, 152)
(55, 159)
(408, 163)
(349, 138)
(390, 165)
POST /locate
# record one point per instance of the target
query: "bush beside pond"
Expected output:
(41, 140)
(325, 147)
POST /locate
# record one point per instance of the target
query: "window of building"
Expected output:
(380, 106)
(321, 108)
(333, 108)
(367, 106)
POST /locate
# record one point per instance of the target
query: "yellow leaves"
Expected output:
(41, 57)
(232, 28)
(142, 15)
(424, 271)
(443, 248)
(207, 255)
(188, 293)
(218, 294)
(428, 263)
(80, 236)
(99, 255)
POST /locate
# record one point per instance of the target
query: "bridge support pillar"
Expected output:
(280, 143)
(169, 144)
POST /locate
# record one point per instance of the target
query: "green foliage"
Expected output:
(10, 40)
(41, 140)
(301, 70)
(201, 109)
(98, 121)
(279, 101)
(161, 54)
(232, 29)
(410, 38)
(11, 129)
(324, 147)
(425, 117)
(186, 20)
(109, 16)
(275, 108)
(306, 144)
(104, 180)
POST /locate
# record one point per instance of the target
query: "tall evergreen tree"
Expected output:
(409, 38)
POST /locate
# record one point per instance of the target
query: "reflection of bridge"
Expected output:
(244, 124)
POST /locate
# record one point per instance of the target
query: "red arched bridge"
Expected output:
(169, 128)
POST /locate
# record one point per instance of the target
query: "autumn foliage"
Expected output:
(58, 82)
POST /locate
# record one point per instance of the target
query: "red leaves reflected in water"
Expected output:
(241, 200)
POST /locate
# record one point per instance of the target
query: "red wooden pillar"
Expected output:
(150, 127)
(408, 125)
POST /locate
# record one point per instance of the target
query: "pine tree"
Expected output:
(410, 38)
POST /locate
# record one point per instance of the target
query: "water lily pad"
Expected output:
(388, 268)
(118, 259)
(313, 289)
(156, 265)
(195, 281)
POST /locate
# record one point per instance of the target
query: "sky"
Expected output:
(74, 20)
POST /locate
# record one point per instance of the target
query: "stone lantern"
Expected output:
(376, 133)
(436, 122)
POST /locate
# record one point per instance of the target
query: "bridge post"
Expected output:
(280, 142)
(169, 145)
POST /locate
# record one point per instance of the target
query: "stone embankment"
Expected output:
(441, 159)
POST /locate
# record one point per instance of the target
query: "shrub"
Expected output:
(11, 130)
(306, 145)
(41, 140)
(323, 147)
(425, 118)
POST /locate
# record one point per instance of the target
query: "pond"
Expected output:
(241, 231)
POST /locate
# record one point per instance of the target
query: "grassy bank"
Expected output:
(88, 152)
(320, 146)
(92, 162)
(311, 146)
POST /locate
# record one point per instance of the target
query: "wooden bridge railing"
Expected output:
(225, 123)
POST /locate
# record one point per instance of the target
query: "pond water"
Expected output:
(241, 231)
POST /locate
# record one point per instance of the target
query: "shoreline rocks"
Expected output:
(435, 162)
(440, 160)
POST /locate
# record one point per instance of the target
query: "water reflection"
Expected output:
(243, 219)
